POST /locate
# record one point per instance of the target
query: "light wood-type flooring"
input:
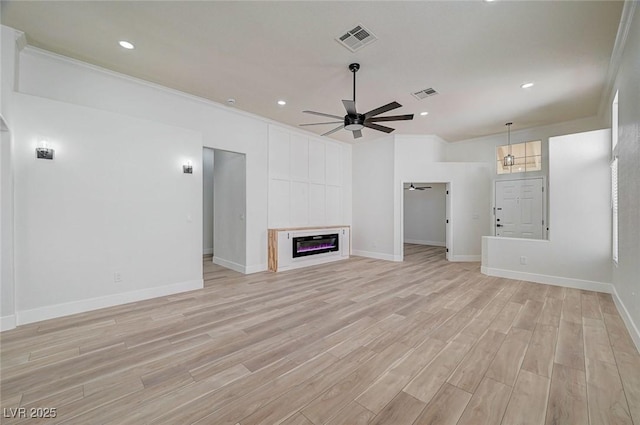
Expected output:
(359, 341)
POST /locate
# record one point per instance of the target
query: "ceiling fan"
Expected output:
(354, 121)
(412, 187)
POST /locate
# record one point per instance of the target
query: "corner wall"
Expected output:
(8, 50)
(626, 274)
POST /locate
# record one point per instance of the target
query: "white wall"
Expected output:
(229, 210)
(309, 180)
(207, 200)
(114, 200)
(424, 214)
(373, 199)
(626, 274)
(56, 77)
(578, 252)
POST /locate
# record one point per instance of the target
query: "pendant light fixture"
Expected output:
(509, 159)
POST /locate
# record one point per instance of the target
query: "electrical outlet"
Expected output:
(523, 260)
(117, 277)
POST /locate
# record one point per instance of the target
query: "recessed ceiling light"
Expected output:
(424, 113)
(526, 85)
(282, 102)
(126, 45)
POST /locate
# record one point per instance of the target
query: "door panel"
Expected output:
(519, 208)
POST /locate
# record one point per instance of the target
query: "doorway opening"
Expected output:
(224, 209)
(425, 218)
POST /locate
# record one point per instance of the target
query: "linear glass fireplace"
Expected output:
(317, 244)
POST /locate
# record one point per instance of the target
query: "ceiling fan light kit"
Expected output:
(354, 121)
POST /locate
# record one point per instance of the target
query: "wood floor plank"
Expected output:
(570, 346)
(508, 359)
(472, 368)
(629, 367)
(528, 315)
(528, 403)
(487, 405)
(541, 351)
(402, 410)
(352, 414)
(572, 306)
(567, 397)
(426, 384)
(606, 398)
(502, 323)
(596, 341)
(445, 408)
(385, 389)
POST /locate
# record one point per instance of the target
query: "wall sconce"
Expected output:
(187, 168)
(44, 150)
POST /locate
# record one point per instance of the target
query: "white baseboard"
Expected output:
(626, 317)
(230, 265)
(207, 251)
(376, 255)
(256, 269)
(465, 258)
(567, 282)
(65, 309)
(7, 322)
(421, 242)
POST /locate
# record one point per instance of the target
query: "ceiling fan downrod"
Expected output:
(354, 67)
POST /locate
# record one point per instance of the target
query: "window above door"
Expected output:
(528, 157)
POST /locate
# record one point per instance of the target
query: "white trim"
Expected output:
(7, 322)
(420, 242)
(207, 251)
(377, 255)
(230, 265)
(65, 309)
(256, 269)
(32, 50)
(567, 282)
(626, 318)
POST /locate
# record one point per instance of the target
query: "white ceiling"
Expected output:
(476, 54)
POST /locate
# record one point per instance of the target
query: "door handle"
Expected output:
(499, 225)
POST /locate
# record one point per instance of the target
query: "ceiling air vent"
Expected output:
(356, 38)
(424, 93)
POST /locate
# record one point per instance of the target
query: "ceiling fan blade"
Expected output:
(423, 188)
(320, 123)
(382, 109)
(357, 134)
(323, 115)
(378, 127)
(391, 118)
(350, 106)
(333, 131)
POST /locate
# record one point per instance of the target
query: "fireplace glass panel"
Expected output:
(317, 244)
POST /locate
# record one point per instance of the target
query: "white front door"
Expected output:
(519, 208)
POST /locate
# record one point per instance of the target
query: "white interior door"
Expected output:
(519, 208)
